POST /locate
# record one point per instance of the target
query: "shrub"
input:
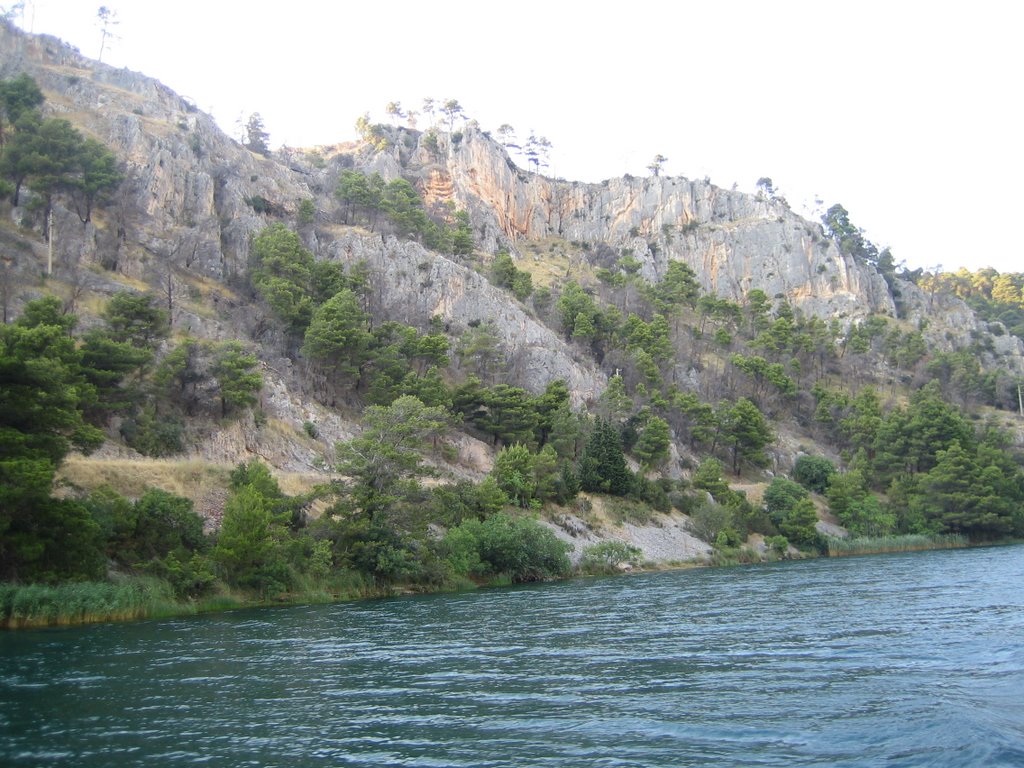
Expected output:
(813, 472)
(151, 435)
(781, 496)
(517, 547)
(610, 556)
(709, 520)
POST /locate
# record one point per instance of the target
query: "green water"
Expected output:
(898, 660)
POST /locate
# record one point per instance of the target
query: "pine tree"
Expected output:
(603, 467)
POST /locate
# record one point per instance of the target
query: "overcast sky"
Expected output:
(907, 113)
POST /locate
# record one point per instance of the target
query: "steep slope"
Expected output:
(193, 198)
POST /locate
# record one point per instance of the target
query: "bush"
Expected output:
(517, 547)
(151, 435)
(610, 556)
(781, 496)
(710, 519)
(813, 472)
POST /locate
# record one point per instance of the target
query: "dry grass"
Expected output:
(203, 482)
(552, 260)
(129, 282)
(207, 286)
(191, 478)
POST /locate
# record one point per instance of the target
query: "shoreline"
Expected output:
(157, 607)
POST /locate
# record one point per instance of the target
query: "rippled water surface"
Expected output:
(908, 660)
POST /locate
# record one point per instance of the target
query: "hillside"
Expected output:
(644, 342)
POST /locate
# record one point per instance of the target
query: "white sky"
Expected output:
(907, 113)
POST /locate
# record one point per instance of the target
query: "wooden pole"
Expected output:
(1020, 399)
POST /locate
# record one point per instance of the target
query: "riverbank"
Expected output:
(137, 598)
(878, 545)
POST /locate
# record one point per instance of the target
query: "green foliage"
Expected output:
(479, 350)
(764, 375)
(910, 439)
(602, 468)
(39, 605)
(246, 551)
(911, 542)
(581, 318)
(98, 175)
(781, 496)
(306, 212)
(256, 136)
(383, 461)
(848, 237)
(132, 318)
(710, 520)
(517, 548)
(18, 96)
(178, 375)
(614, 405)
(153, 434)
(813, 472)
(856, 508)
(610, 557)
(653, 447)
(676, 290)
(281, 272)
(369, 196)
(505, 274)
(798, 525)
(710, 477)
(970, 493)
(115, 369)
(238, 380)
(514, 474)
(338, 335)
(164, 523)
(360, 194)
(42, 395)
(745, 430)
(50, 154)
(508, 414)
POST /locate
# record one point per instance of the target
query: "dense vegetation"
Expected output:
(695, 380)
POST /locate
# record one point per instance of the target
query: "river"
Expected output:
(896, 660)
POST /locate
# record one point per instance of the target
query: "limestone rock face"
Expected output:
(413, 284)
(186, 183)
(193, 198)
(733, 241)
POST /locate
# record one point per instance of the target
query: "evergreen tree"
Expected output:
(514, 473)
(238, 381)
(958, 495)
(385, 461)
(653, 447)
(281, 273)
(245, 549)
(745, 430)
(338, 335)
(603, 467)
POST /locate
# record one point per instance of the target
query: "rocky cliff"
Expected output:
(185, 215)
(733, 241)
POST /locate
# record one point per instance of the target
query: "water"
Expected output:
(903, 660)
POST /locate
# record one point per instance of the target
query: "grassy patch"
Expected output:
(550, 261)
(881, 544)
(41, 605)
(191, 478)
